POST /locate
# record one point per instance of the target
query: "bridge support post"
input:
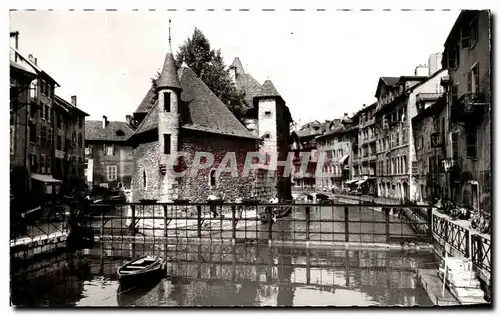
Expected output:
(346, 223)
(308, 220)
(429, 224)
(132, 224)
(387, 224)
(165, 221)
(233, 220)
(198, 210)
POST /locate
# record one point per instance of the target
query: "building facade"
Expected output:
(336, 146)
(69, 143)
(365, 152)
(305, 154)
(396, 152)
(32, 131)
(429, 126)
(108, 157)
(467, 58)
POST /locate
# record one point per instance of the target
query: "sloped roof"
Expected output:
(237, 64)
(390, 81)
(267, 90)
(146, 103)
(68, 107)
(168, 76)
(150, 121)
(200, 110)
(249, 85)
(204, 111)
(22, 68)
(95, 131)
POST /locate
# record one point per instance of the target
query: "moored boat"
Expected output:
(141, 271)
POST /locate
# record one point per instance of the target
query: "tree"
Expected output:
(209, 66)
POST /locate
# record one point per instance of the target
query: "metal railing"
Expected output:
(257, 223)
(459, 238)
(39, 223)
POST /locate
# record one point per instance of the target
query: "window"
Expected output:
(80, 121)
(212, 178)
(73, 139)
(471, 144)
(80, 166)
(166, 101)
(111, 173)
(267, 113)
(49, 165)
(48, 113)
(49, 138)
(42, 164)
(474, 79)
(80, 140)
(73, 165)
(43, 111)
(33, 163)
(59, 121)
(120, 133)
(59, 142)
(464, 34)
(405, 165)
(144, 180)
(109, 149)
(474, 35)
(267, 135)
(454, 145)
(33, 110)
(166, 144)
(44, 137)
(32, 127)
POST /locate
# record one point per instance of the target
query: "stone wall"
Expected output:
(147, 178)
(197, 188)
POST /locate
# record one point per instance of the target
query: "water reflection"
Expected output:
(219, 275)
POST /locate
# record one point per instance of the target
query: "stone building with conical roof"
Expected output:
(181, 115)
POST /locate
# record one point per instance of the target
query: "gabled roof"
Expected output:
(389, 82)
(36, 67)
(68, 107)
(199, 109)
(146, 103)
(95, 132)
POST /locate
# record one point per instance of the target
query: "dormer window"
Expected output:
(166, 101)
(120, 133)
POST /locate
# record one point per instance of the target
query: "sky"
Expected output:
(323, 64)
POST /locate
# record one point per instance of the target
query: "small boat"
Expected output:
(141, 271)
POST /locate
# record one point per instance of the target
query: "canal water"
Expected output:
(228, 275)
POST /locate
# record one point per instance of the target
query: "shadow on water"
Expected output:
(230, 275)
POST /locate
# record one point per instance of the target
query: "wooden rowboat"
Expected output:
(141, 271)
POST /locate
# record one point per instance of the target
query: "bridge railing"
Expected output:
(38, 223)
(260, 223)
(462, 239)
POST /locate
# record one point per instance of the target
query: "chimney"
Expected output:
(422, 71)
(128, 119)
(73, 100)
(15, 37)
(36, 61)
(31, 58)
(104, 121)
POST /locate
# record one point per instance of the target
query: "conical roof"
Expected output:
(168, 77)
(267, 90)
(237, 64)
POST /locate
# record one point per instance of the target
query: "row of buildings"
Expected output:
(46, 133)
(427, 136)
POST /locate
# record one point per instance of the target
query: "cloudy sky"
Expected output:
(322, 63)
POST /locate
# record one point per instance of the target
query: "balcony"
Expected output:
(468, 108)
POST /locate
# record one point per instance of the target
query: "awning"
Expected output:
(350, 181)
(343, 159)
(44, 178)
(361, 181)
